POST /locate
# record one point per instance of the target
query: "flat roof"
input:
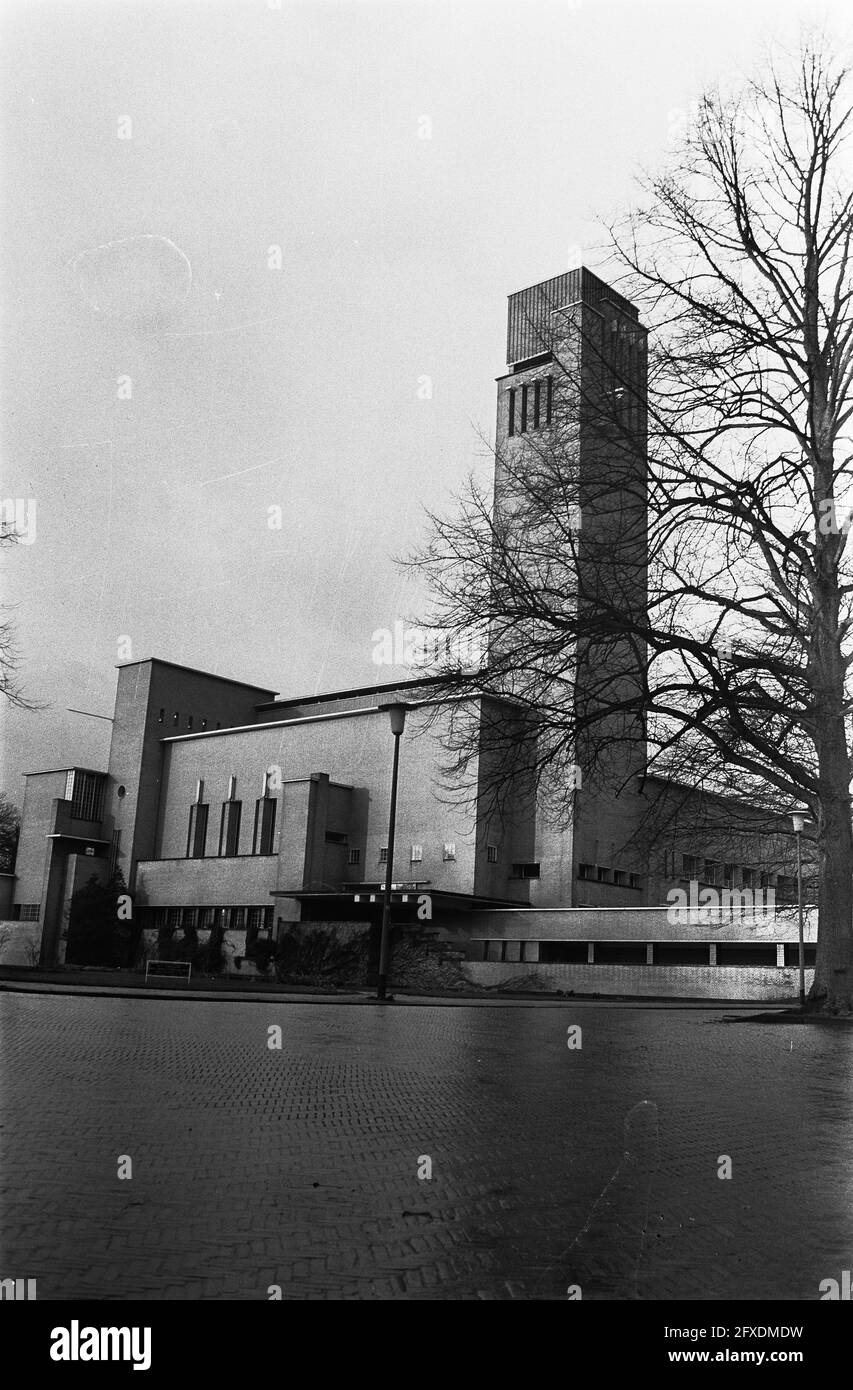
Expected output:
(276, 724)
(75, 767)
(352, 691)
(195, 671)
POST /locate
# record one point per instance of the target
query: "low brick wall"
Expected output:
(754, 982)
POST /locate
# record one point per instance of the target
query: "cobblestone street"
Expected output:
(551, 1166)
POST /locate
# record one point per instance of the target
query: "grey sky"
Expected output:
(253, 127)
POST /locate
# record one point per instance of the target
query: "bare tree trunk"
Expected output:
(832, 989)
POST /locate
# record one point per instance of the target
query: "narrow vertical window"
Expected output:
(264, 825)
(537, 403)
(229, 829)
(197, 834)
(524, 391)
(549, 400)
(511, 414)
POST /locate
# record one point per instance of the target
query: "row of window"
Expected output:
(190, 718)
(254, 921)
(417, 853)
(263, 833)
(637, 953)
(619, 878)
(717, 874)
(535, 402)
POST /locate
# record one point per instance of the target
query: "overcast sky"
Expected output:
(167, 384)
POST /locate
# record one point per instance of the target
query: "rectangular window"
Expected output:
(383, 855)
(197, 835)
(586, 871)
(537, 403)
(741, 953)
(417, 854)
(258, 923)
(549, 400)
(620, 878)
(619, 953)
(524, 391)
(206, 918)
(229, 830)
(713, 872)
(690, 866)
(85, 791)
(563, 952)
(603, 875)
(792, 956)
(525, 870)
(30, 912)
(174, 918)
(175, 718)
(635, 880)
(189, 721)
(336, 837)
(161, 716)
(449, 851)
(786, 888)
(264, 825)
(750, 878)
(680, 953)
(354, 856)
(492, 854)
(511, 412)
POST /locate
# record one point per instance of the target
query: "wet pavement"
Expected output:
(461, 1152)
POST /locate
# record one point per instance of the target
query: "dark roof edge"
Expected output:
(196, 671)
(355, 690)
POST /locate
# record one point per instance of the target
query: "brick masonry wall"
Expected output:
(763, 984)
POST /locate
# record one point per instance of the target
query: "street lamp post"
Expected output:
(799, 821)
(397, 716)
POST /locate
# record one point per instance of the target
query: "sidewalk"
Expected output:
(301, 1165)
(128, 984)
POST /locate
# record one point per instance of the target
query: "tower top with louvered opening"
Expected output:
(529, 310)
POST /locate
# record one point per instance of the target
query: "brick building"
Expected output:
(221, 803)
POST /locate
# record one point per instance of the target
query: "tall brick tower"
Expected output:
(573, 405)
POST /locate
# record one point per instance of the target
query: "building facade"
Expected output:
(223, 805)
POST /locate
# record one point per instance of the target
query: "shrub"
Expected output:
(261, 951)
(309, 952)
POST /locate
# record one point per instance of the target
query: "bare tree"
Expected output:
(10, 687)
(10, 826)
(731, 667)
